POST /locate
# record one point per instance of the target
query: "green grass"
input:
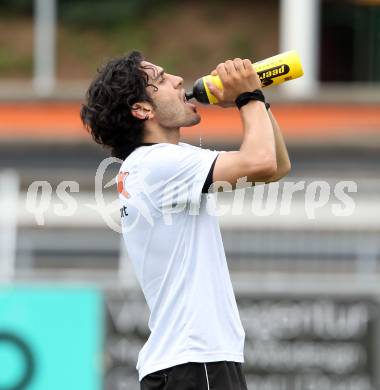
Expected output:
(186, 38)
(14, 64)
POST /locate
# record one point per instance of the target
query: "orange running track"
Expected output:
(60, 120)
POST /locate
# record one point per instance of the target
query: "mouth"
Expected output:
(184, 97)
(185, 101)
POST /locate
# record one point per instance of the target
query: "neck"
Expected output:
(160, 134)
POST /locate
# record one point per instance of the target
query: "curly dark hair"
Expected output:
(106, 114)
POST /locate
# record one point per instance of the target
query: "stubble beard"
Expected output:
(176, 116)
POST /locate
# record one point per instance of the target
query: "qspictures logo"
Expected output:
(132, 200)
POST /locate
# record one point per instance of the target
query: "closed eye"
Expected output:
(160, 77)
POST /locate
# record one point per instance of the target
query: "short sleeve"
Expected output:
(174, 175)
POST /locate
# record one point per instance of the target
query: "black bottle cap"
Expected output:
(199, 92)
(189, 95)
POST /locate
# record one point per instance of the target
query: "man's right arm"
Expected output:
(256, 158)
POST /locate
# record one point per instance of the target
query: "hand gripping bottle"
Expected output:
(271, 71)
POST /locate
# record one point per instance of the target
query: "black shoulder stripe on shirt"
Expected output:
(209, 178)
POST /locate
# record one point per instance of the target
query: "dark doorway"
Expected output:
(350, 41)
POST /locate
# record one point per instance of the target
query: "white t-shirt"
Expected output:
(174, 242)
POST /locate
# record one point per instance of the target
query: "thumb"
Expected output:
(214, 73)
(215, 90)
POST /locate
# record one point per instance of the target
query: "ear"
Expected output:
(142, 111)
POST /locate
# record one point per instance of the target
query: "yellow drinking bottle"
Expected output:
(271, 71)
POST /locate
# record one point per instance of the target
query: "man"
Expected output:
(166, 190)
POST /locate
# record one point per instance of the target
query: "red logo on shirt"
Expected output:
(120, 184)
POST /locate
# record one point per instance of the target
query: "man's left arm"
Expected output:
(282, 156)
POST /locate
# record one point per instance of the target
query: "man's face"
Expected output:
(171, 109)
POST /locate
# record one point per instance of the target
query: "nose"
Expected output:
(177, 81)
